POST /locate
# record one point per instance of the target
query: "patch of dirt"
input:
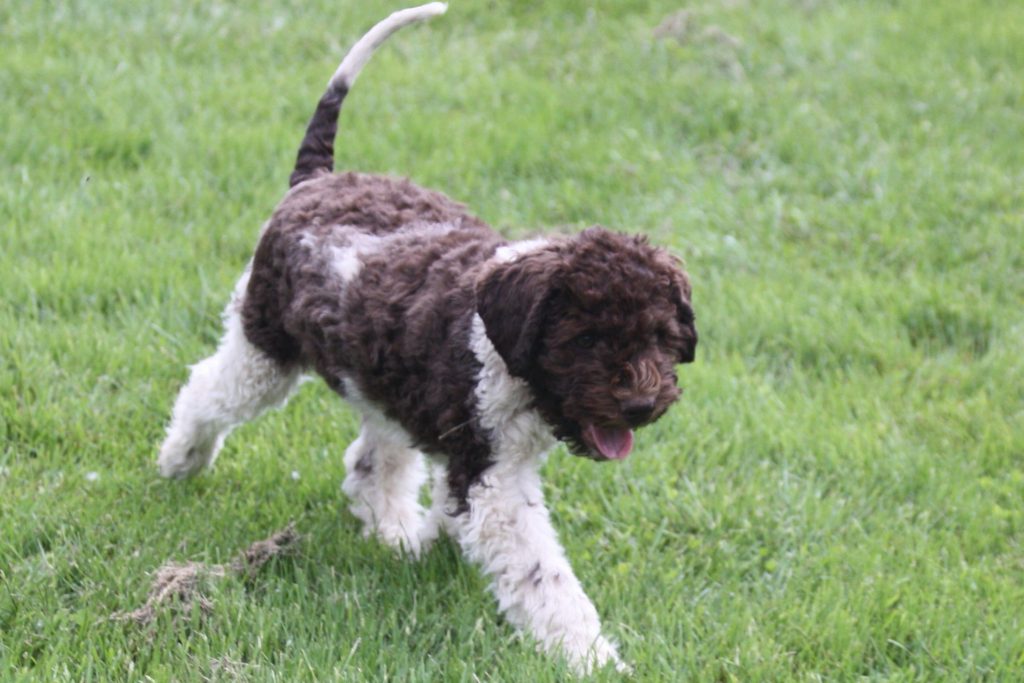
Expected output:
(259, 553)
(179, 586)
(175, 586)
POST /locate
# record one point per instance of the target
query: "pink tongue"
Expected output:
(614, 444)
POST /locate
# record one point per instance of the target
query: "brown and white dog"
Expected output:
(450, 341)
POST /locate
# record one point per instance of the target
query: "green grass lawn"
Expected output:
(839, 495)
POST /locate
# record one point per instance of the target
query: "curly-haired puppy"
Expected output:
(450, 341)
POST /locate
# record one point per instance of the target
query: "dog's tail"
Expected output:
(316, 153)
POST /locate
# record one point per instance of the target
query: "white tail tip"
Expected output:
(361, 52)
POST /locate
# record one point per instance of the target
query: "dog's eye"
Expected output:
(585, 340)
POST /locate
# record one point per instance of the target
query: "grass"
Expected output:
(838, 496)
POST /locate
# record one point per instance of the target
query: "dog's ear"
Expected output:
(681, 293)
(512, 301)
(689, 326)
(686, 318)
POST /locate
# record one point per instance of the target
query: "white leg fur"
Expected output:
(507, 531)
(232, 386)
(384, 474)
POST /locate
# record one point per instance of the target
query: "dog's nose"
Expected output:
(637, 410)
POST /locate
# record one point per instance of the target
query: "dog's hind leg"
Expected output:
(383, 480)
(231, 387)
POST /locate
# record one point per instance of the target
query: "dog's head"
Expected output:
(596, 325)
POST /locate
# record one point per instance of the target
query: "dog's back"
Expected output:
(319, 239)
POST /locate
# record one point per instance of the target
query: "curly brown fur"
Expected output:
(608, 317)
(373, 204)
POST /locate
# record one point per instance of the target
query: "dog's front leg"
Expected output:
(507, 531)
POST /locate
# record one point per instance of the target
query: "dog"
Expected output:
(452, 342)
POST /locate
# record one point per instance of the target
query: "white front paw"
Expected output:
(402, 534)
(182, 457)
(600, 653)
